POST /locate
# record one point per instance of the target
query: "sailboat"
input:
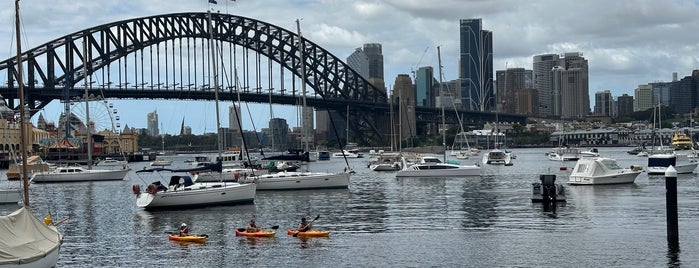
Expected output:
(430, 166)
(78, 173)
(297, 180)
(184, 192)
(25, 240)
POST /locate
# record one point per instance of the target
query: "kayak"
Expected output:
(261, 233)
(311, 233)
(189, 238)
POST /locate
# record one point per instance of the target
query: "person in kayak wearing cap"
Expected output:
(304, 226)
(184, 230)
(252, 227)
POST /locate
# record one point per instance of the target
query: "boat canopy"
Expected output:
(25, 239)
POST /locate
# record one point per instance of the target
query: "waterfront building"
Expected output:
(643, 98)
(624, 105)
(476, 66)
(152, 123)
(604, 103)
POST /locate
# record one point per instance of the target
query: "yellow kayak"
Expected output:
(261, 233)
(189, 238)
(311, 233)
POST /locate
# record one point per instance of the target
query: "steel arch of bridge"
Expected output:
(54, 68)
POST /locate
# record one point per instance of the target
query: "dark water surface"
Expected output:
(382, 221)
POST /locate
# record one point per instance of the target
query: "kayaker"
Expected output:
(184, 230)
(252, 227)
(304, 226)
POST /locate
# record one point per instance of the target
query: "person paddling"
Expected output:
(252, 227)
(184, 230)
(304, 226)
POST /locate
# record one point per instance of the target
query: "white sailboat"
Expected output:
(77, 173)
(181, 191)
(26, 241)
(430, 166)
(302, 180)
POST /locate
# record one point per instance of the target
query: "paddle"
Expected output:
(273, 227)
(307, 226)
(178, 233)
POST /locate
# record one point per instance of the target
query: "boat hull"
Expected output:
(189, 238)
(437, 173)
(620, 178)
(680, 168)
(302, 181)
(10, 196)
(88, 175)
(311, 233)
(212, 194)
(255, 234)
(385, 167)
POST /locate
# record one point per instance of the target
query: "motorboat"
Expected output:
(602, 170)
(547, 190)
(34, 164)
(183, 192)
(161, 162)
(386, 163)
(302, 181)
(635, 151)
(658, 163)
(497, 157)
(592, 152)
(323, 155)
(78, 173)
(430, 166)
(564, 154)
(348, 154)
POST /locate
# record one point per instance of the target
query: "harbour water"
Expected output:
(382, 221)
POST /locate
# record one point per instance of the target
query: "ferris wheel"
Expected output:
(103, 115)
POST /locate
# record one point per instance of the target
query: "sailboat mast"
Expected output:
(214, 62)
(23, 129)
(87, 108)
(303, 86)
(441, 103)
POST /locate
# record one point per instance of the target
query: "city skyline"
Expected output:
(626, 43)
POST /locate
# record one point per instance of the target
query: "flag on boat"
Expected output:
(212, 2)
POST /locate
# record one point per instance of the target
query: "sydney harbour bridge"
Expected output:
(168, 57)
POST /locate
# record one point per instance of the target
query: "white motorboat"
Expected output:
(348, 154)
(497, 157)
(547, 190)
(658, 163)
(592, 152)
(386, 163)
(430, 166)
(302, 181)
(182, 192)
(602, 170)
(10, 196)
(77, 173)
(564, 154)
(161, 162)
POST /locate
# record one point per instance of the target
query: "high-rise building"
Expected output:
(661, 93)
(404, 118)
(542, 79)
(643, 98)
(604, 103)
(279, 131)
(684, 96)
(234, 118)
(373, 52)
(152, 123)
(359, 62)
(509, 82)
(476, 66)
(625, 104)
(527, 100)
(425, 87)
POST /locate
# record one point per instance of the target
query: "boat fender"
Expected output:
(136, 189)
(152, 189)
(236, 175)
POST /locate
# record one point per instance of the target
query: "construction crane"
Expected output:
(417, 65)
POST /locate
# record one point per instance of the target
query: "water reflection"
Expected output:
(673, 254)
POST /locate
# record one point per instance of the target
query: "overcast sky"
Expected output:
(626, 43)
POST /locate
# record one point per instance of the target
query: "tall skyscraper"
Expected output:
(543, 64)
(403, 95)
(234, 118)
(373, 52)
(574, 86)
(280, 131)
(643, 98)
(425, 87)
(625, 103)
(476, 66)
(509, 82)
(368, 62)
(152, 123)
(359, 62)
(604, 103)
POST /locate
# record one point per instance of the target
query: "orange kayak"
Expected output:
(261, 233)
(311, 233)
(189, 238)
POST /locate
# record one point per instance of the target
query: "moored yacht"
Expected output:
(497, 157)
(601, 170)
(430, 166)
(658, 163)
